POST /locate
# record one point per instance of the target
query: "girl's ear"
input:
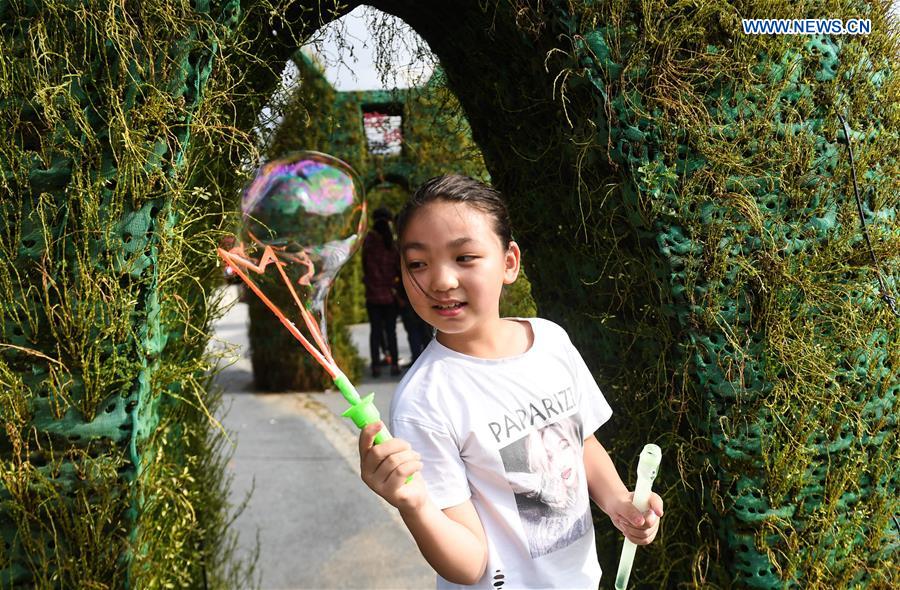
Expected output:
(512, 260)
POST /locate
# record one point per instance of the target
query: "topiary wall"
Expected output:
(684, 193)
(117, 154)
(740, 171)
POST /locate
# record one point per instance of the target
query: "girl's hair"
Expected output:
(566, 428)
(457, 188)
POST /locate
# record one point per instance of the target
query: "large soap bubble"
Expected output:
(308, 208)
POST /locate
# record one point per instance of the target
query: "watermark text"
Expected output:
(806, 26)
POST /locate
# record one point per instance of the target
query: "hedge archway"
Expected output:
(684, 191)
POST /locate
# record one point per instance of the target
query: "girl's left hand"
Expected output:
(638, 528)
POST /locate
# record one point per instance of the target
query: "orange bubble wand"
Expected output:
(237, 258)
(362, 409)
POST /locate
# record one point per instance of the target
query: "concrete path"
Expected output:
(316, 523)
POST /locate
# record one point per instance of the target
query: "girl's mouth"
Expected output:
(449, 310)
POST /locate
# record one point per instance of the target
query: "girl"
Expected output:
(486, 506)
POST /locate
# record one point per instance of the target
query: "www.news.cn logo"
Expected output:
(806, 26)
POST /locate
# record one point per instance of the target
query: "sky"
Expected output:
(411, 61)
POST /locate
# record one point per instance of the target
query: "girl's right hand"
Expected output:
(386, 467)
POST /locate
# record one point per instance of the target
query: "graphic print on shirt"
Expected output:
(545, 471)
(538, 413)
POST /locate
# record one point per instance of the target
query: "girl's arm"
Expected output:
(451, 540)
(610, 494)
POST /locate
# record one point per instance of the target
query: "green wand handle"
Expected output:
(648, 465)
(362, 410)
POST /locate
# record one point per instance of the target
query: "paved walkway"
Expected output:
(316, 523)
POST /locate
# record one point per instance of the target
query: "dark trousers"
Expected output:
(383, 328)
(418, 332)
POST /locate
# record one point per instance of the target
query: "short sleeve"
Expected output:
(595, 410)
(443, 468)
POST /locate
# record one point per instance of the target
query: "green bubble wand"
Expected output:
(648, 464)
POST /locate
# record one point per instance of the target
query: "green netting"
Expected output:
(98, 102)
(798, 407)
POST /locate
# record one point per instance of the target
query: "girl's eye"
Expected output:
(415, 264)
(466, 258)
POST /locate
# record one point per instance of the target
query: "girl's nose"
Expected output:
(443, 279)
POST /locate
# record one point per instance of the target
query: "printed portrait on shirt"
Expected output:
(546, 473)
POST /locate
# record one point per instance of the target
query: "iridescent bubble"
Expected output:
(309, 208)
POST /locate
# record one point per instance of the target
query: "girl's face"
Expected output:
(562, 457)
(454, 270)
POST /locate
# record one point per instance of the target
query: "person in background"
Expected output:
(381, 274)
(418, 332)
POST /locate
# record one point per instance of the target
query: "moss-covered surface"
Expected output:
(684, 194)
(111, 468)
(686, 199)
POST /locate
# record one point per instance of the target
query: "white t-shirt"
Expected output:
(509, 434)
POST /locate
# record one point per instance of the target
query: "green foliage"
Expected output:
(716, 276)
(106, 261)
(516, 301)
(185, 516)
